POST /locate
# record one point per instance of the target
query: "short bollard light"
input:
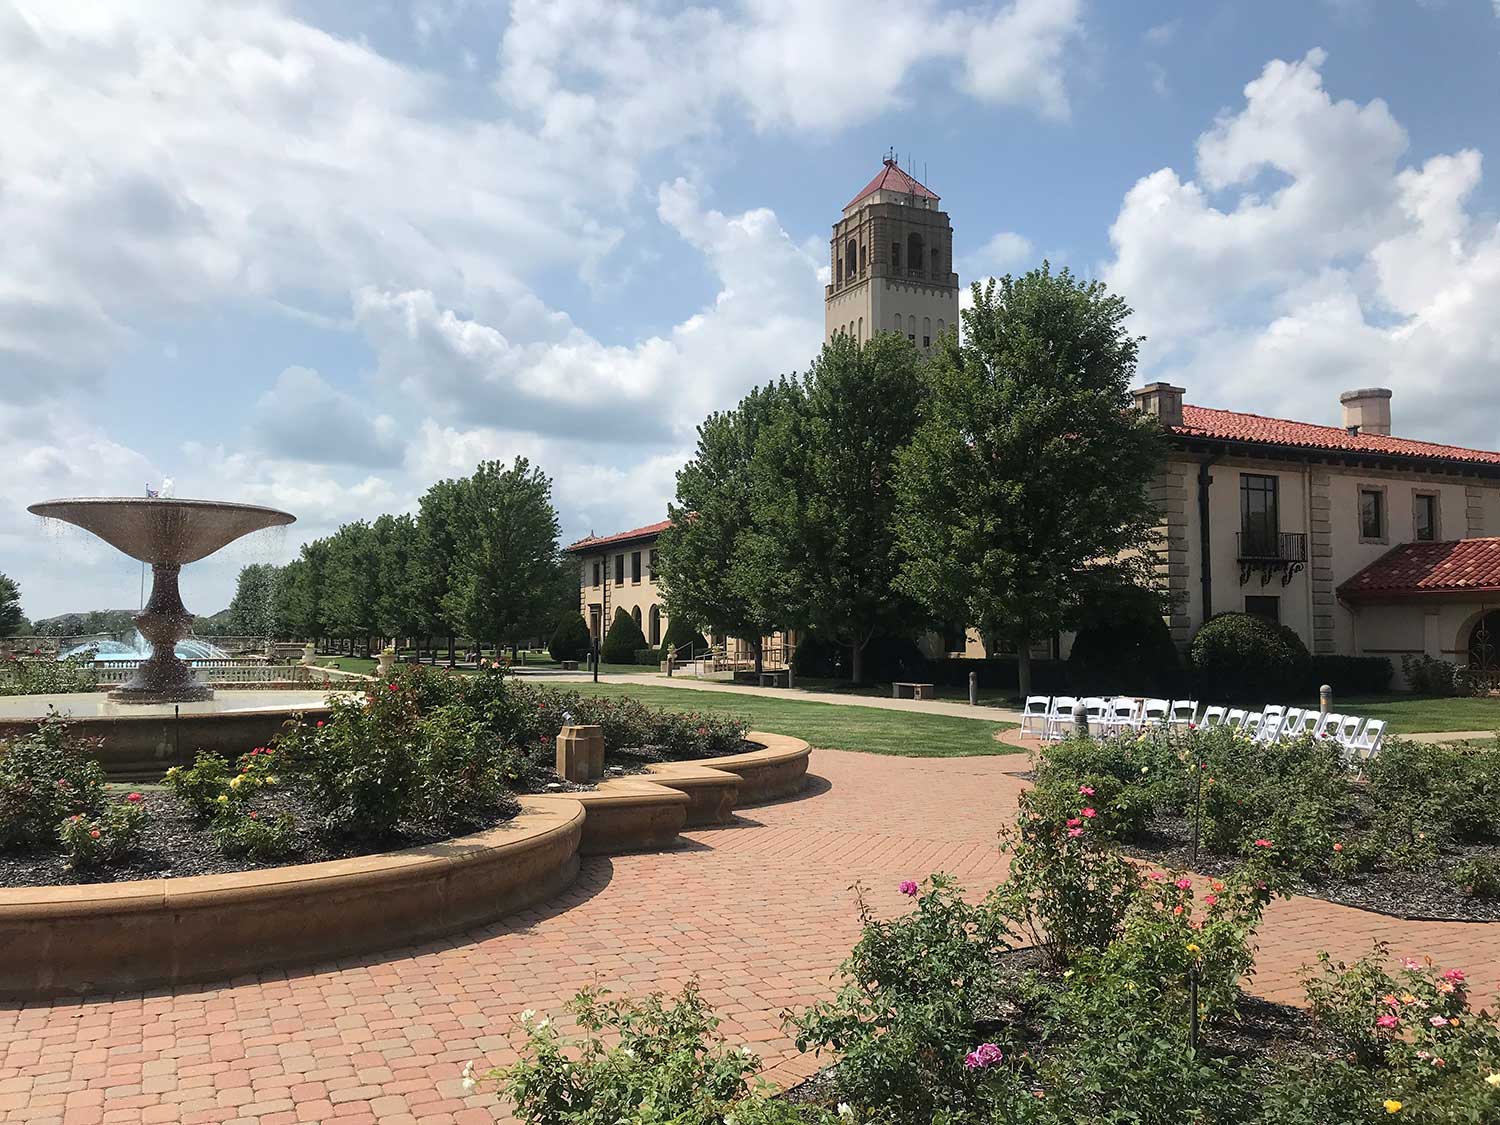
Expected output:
(580, 753)
(1325, 698)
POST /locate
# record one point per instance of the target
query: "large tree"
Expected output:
(1031, 472)
(398, 608)
(299, 595)
(252, 611)
(351, 583)
(503, 577)
(825, 504)
(716, 569)
(12, 620)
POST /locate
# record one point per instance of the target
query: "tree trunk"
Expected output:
(857, 662)
(1023, 664)
(452, 650)
(755, 647)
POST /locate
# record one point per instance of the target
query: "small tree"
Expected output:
(570, 640)
(12, 620)
(252, 611)
(1031, 472)
(623, 640)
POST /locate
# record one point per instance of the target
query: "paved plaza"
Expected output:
(760, 911)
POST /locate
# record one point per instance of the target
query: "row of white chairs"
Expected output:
(1054, 718)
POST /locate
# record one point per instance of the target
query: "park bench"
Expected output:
(773, 679)
(916, 691)
(570, 665)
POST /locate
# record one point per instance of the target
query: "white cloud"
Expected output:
(1005, 252)
(1163, 33)
(303, 418)
(1305, 259)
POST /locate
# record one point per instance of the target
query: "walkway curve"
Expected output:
(760, 912)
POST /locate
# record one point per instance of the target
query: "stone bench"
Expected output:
(773, 679)
(916, 691)
(570, 665)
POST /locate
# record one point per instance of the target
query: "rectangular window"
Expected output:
(619, 570)
(912, 336)
(1269, 608)
(598, 571)
(927, 341)
(1371, 513)
(635, 568)
(1425, 516)
(1260, 520)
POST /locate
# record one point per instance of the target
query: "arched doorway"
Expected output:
(635, 615)
(654, 636)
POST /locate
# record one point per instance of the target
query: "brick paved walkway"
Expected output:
(760, 912)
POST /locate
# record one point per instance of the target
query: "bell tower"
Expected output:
(892, 261)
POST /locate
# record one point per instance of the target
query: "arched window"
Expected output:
(898, 322)
(860, 332)
(940, 328)
(838, 271)
(861, 260)
(654, 636)
(635, 615)
(1484, 645)
(914, 251)
(851, 257)
(927, 331)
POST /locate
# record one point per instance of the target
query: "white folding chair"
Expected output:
(1183, 712)
(1034, 714)
(1235, 718)
(1251, 725)
(1212, 717)
(1124, 714)
(1096, 710)
(1327, 725)
(1155, 712)
(1270, 722)
(1349, 730)
(1292, 723)
(1060, 718)
(1367, 745)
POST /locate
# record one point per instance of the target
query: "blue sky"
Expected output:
(318, 254)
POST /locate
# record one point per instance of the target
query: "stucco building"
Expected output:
(1364, 543)
(619, 572)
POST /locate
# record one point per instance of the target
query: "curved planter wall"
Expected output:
(110, 937)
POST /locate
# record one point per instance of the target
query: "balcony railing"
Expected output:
(1284, 553)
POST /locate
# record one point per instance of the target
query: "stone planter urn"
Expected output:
(309, 653)
(385, 661)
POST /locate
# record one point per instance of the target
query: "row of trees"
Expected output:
(12, 620)
(480, 559)
(998, 484)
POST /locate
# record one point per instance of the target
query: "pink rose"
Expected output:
(908, 888)
(1184, 884)
(1210, 900)
(1438, 1021)
(1387, 1021)
(1074, 833)
(1086, 790)
(134, 798)
(1087, 814)
(1263, 843)
(1074, 822)
(1454, 975)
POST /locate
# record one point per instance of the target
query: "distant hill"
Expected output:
(91, 621)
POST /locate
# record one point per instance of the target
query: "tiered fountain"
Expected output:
(163, 714)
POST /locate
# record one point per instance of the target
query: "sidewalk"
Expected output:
(929, 707)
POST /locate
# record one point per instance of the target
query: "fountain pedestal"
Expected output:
(164, 677)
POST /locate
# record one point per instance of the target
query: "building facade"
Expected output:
(1316, 527)
(891, 262)
(619, 572)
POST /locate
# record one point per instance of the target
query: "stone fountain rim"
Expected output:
(161, 501)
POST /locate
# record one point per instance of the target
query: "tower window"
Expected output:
(851, 255)
(934, 261)
(898, 322)
(914, 251)
(861, 261)
(895, 255)
(839, 271)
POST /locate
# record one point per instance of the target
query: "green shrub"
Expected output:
(914, 988)
(1129, 777)
(648, 657)
(200, 785)
(256, 835)
(1428, 676)
(42, 676)
(653, 1061)
(623, 640)
(1424, 796)
(45, 776)
(1123, 645)
(1243, 657)
(1478, 877)
(110, 837)
(570, 640)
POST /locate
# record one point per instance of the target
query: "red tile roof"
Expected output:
(589, 542)
(892, 178)
(1230, 425)
(1466, 566)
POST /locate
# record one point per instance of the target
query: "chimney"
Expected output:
(1367, 411)
(1162, 400)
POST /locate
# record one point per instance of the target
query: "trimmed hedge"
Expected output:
(680, 633)
(1350, 675)
(886, 659)
(1239, 656)
(1124, 646)
(1048, 677)
(570, 640)
(623, 640)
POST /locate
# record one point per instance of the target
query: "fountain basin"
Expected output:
(141, 740)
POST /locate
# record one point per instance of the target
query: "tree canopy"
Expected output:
(252, 610)
(12, 620)
(1031, 472)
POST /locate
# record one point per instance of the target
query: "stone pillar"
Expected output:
(1320, 559)
(1169, 494)
(385, 661)
(580, 753)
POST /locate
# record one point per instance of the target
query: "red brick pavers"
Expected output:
(761, 912)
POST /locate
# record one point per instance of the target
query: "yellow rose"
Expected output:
(1493, 1079)
(234, 782)
(1192, 947)
(1392, 1105)
(223, 798)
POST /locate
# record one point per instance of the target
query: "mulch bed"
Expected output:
(1421, 894)
(1263, 1034)
(174, 845)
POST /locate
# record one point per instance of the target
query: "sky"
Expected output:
(319, 255)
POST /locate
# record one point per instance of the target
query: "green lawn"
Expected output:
(1418, 714)
(366, 667)
(831, 725)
